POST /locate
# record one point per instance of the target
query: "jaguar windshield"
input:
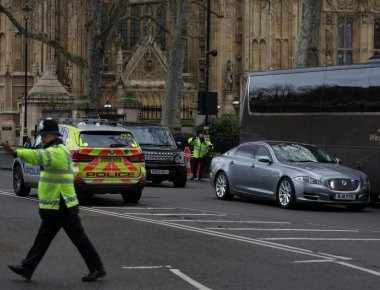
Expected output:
(291, 152)
(153, 136)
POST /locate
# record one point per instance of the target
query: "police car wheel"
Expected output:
(131, 197)
(18, 182)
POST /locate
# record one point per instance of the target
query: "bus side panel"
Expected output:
(273, 127)
(355, 139)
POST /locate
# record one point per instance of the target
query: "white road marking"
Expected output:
(222, 221)
(189, 280)
(320, 239)
(281, 230)
(134, 208)
(358, 268)
(216, 234)
(176, 272)
(335, 256)
(314, 261)
(340, 227)
(175, 214)
(145, 267)
(192, 209)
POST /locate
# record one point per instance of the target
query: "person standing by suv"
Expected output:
(58, 202)
(201, 148)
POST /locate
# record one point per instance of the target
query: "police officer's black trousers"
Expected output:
(70, 222)
(201, 163)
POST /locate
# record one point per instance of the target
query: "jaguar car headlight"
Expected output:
(366, 182)
(307, 179)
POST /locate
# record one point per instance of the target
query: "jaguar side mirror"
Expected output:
(264, 159)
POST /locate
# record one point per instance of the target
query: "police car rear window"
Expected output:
(106, 139)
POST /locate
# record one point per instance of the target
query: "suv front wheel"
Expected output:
(132, 197)
(18, 182)
(180, 181)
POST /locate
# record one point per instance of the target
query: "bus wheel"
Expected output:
(132, 197)
(222, 187)
(286, 194)
(18, 182)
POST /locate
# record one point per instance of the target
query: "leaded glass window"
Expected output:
(135, 25)
(122, 32)
(160, 33)
(344, 39)
(376, 37)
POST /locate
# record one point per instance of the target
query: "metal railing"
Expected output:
(155, 113)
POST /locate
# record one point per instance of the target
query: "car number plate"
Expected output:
(345, 196)
(110, 159)
(159, 171)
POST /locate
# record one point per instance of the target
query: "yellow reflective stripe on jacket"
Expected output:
(40, 158)
(59, 171)
(56, 180)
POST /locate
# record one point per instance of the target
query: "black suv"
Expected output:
(163, 160)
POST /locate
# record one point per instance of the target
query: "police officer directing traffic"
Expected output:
(58, 202)
(201, 149)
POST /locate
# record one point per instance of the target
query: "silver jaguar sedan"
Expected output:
(288, 173)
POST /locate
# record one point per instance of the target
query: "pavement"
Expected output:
(6, 161)
(187, 239)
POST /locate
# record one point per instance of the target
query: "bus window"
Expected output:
(345, 90)
(372, 102)
(303, 92)
(266, 93)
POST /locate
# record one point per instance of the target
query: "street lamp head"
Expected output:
(26, 10)
(236, 105)
(107, 104)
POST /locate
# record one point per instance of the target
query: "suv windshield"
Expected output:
(106, 139)
(153, 136)
(300, 153)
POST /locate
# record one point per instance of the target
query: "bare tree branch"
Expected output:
(147, 17)
(114, 17)
(203, 5)
(75, 59)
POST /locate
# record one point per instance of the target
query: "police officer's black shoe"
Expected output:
(94, 275)
(20, 270)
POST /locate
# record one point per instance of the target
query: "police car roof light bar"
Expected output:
(83, 121)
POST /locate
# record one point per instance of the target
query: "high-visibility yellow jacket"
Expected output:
(56, 176)
(200, 148)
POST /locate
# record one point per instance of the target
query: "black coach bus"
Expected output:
(336, 108)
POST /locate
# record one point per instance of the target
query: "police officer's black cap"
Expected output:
(48, 126)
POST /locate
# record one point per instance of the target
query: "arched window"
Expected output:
(160, 33)
(122, 32)
(344, 38)
(135, 25)
(376, 36)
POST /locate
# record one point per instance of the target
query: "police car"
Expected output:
(107, 159)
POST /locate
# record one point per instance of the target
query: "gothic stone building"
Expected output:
(250, 35)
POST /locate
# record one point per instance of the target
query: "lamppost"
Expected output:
(26, 10)
(213, 52)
